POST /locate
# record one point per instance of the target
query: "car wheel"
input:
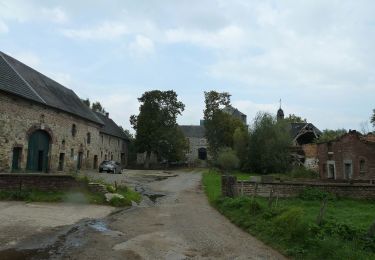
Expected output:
(100, 171)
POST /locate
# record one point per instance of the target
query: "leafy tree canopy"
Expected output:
(269, 144)
(330, 135)
(292, 118)
(372, 120)
(155, 125)
(219, 126)
(96, 106)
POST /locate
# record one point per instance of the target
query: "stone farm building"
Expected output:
(44, 126)
(195, 134)
(351, 156)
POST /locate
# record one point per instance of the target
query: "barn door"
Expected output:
(37, 157)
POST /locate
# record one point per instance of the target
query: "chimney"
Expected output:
(106, 114)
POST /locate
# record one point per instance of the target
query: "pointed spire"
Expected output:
(280, 113)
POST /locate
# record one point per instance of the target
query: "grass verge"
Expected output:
(290, 226)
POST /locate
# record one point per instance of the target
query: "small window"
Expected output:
(101, 154)
(74, 130)
(72, 153)
(105, 157)
(88, 138)
(362, 166)
(88, 153)
(102, 139)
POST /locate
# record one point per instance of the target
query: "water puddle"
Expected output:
(99, 225)
(154, 197)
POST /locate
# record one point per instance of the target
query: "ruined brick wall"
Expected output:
(311, 156)
(293, 189)
(43, 182)
(19, 118)
(348, 149)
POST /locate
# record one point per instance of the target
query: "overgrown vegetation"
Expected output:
(290, 226)
(330, 135)
(269, 145)
(77, 195)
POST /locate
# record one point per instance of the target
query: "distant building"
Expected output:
(351, 156)
(235, 113)
(44, 126)
(304, 149)
(195, 134)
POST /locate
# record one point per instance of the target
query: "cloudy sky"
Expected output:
(318, 56)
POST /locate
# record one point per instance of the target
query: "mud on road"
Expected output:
(178, 224)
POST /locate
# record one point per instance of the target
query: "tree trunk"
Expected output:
(147, 160)
(323, 206)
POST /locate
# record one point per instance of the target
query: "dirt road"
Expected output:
(180, 225)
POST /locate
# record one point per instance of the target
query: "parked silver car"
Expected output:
(110, 166)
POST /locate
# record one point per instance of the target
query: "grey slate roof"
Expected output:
(196, 131)
(295, 128)
(110, 127)
(19, 79)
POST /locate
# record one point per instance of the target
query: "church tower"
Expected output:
(280, 113)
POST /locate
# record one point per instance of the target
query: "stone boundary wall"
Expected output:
(45, 182)
(231, 187)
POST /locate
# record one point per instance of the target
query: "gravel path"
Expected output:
(180, 225)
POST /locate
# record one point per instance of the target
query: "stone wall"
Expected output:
(293, 189)
(194, 144)
(45, 182)
(20, 117)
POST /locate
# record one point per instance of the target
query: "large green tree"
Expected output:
(292, 118)
(330, 135)
(219, 126)
(156, 127)
(269, 144)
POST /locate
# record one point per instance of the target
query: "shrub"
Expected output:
(120, 202)
(290, 225)
(315, 194)
(110, 188)
(227, 159)
(302, 172)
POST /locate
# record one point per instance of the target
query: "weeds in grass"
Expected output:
(291, 228)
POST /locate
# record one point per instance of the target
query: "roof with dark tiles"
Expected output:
(196, 131)
(21, 80)
(110, 127)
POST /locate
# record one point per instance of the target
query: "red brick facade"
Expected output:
(350, 157)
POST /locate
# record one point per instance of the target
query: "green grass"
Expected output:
(290, 226)
(81, 195)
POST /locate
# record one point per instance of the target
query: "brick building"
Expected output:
(44, 126)
(352, 156)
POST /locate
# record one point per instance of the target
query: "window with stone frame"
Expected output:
(362, 166)
(72, 153)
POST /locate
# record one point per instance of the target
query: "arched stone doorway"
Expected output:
(38, 150)
(202, 153)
